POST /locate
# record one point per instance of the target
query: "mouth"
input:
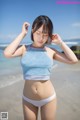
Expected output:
(40, 42)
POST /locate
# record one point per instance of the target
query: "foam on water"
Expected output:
(9, 82)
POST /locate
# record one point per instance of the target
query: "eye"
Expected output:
(46, 35)
(37, 33)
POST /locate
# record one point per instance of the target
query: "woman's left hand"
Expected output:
(56, 39)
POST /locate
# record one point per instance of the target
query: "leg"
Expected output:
(30, 111)
(48, 111)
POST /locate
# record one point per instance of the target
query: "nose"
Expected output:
(42, 36)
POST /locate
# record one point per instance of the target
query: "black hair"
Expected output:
(47, 25)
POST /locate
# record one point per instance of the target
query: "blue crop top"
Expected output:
(36, 64)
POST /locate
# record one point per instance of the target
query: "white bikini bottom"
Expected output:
(39, 103)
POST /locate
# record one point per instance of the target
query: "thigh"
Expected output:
(30, 111)
(48, 111)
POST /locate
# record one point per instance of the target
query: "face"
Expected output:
(40, 38)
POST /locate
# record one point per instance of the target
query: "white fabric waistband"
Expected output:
(29, 77)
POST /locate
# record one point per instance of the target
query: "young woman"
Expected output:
(37, 60)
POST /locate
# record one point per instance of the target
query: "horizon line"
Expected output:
(67, 2)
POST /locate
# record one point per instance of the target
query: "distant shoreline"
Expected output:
(74, 45)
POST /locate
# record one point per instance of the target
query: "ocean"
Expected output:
(8, 65)
(10, 68)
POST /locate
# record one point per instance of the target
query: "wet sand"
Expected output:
(66, 81)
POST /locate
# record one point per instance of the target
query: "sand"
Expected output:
(66, 81)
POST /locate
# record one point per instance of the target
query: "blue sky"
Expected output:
(13, 13)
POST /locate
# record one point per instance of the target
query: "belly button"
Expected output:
(36, 90)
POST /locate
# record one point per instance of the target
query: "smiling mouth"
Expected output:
(40, 42)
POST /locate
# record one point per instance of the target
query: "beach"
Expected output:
(66, 81)
(67, 86)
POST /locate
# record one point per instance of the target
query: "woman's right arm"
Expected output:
(12, 50)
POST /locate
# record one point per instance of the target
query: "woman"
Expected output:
(37, 61)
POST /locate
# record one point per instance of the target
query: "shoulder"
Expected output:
(48, 49)
(25, 47)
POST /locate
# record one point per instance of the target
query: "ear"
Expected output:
(49, 41)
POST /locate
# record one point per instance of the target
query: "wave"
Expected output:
(73, 42)
(5, 83)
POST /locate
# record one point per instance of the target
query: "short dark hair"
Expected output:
(47, 25)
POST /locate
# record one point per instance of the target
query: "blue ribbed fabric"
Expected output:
(36, 64)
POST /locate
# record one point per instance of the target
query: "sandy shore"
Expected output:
(66, 80)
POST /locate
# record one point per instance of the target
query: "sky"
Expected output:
(13, 13)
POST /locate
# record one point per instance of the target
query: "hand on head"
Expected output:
(25, 27)
(56, 39)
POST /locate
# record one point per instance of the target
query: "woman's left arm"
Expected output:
(68, 56)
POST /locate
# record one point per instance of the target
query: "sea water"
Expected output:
(10, 70)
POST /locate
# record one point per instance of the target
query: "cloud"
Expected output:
(77, 24)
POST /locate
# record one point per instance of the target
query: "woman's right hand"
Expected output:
(25, 28)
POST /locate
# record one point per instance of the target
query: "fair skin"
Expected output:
(38, 90)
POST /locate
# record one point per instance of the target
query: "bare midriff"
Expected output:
(38, 89)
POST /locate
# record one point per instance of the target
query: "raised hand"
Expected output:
(25, 27)
(56, 39)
